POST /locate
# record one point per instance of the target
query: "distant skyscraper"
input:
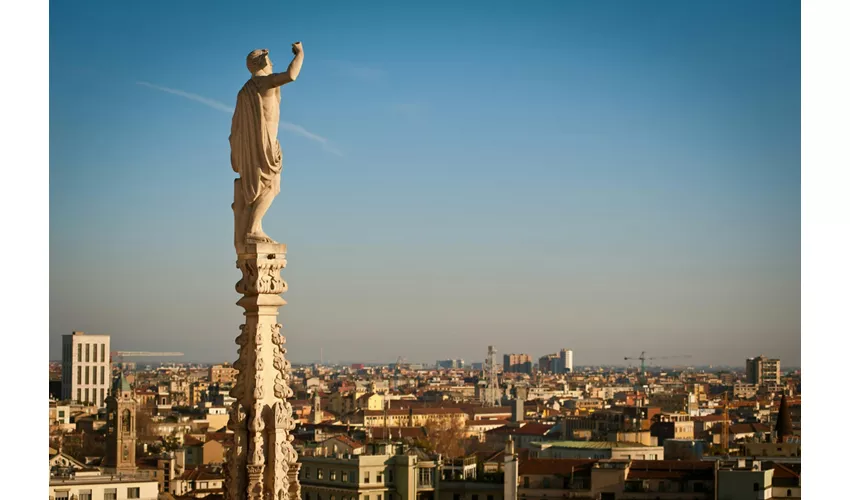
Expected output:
(491, 390)
(548, 363)
(450, 363)
(86, 368)
(565, 361)
(762, 370)
(517, 363)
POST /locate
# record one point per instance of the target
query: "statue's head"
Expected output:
(258, 62)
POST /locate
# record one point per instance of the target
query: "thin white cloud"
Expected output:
(194, 97)
(292, 127)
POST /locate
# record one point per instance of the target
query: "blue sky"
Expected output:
(611, 177)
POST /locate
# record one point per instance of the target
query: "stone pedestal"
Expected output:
(261, 464)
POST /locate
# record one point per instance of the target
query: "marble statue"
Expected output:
(255, 152)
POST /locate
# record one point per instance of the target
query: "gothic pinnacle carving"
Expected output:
(262, 461)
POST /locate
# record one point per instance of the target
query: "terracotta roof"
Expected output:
(346, 440)
(747, 428)
(782, 471)
(190, 441)
(486, 422)
(708, 418)
(553, 466)
(203, 473)
(671, 469)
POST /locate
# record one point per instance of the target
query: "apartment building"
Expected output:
(384, 472)
(762, 370)
(86, 368)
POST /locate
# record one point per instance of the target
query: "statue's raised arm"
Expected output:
(291, 73)
(255, 152)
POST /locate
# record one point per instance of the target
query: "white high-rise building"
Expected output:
(565, 361)
(86, 368)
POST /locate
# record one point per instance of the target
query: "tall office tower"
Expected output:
(491, 391)
(86, 368)
(517, 363)
(762, 370)
(565, 361)
(548, 363)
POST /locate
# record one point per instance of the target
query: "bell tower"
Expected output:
(121, 427)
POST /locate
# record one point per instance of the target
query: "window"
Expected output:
(94, 353)
(380, 478)
(525, 482)
(366, 479)
(332, 477)
(344, 476)
(425, 478)
(80, 353)
(110, 494)
(87, 375)
(365, 497)
(319, 474)
(61, 413)
(87, 353)
(333, 497)
(87, 396)
(306, 496)
(133, 493)
(789, 493)
(84, 495)
(79, 394)
(102, 353)
(61, 495)
(79, 375)
(101, 396)
(307, 476)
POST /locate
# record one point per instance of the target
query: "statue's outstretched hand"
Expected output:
(297, 48)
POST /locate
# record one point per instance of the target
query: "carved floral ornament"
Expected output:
(261, 275)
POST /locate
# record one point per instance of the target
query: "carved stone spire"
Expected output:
(262, 463)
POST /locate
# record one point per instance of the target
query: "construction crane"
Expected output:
(118, 356)
(643, 359)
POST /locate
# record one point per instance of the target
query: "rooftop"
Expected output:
(590, 445)
(101, 479)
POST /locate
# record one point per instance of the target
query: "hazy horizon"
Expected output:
(608, 177)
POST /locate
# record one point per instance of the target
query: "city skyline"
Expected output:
(526, 177)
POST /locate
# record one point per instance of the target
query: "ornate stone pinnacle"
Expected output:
(262, 463)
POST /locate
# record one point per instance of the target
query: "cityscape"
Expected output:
(462, 251)
(504, 427)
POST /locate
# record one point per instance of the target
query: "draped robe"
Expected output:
(254, 154)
